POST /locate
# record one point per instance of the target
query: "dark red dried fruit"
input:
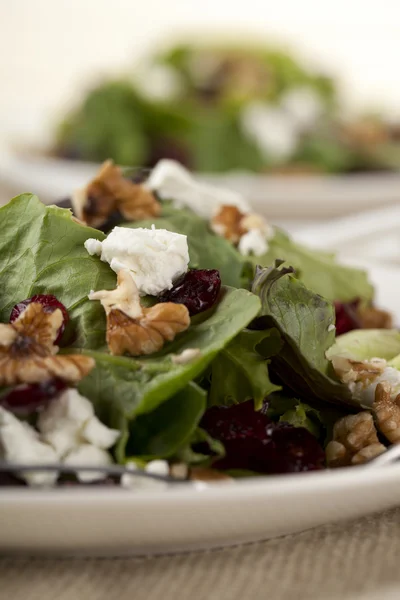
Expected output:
(29, 398)
(49, 303)
(252, 442)
(346, 316)
(197, 289)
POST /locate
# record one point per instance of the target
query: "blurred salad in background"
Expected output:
(218, 109)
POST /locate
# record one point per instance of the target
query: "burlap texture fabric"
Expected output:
(359, 560)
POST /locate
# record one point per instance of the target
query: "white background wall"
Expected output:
(49, 47)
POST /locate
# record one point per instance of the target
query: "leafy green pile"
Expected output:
(201, 124)
(269, 342)
(317, 270)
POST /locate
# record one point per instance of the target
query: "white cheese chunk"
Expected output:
(304, 106)
(154, 257)
(173, 182)
(69, 421)
(253, 242)
(271, 128)
(98, 434)
(138, 483)
(88, 455)
(186, 356)
(61, 422)
(20, 443)
(93, 246)
(158, 82)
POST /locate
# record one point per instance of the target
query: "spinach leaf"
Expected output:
(304, 320)
(125, 386)
(171, 425)
(240, 371)
(42, 252)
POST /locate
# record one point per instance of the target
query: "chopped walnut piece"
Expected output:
(350, 371)
(227, 223)
(387, 412)
(374, 318)
(355, 441)
(133, 328)
(205, 474)
(232, 224)
(110, 191)
(364, 133)
(27, 350)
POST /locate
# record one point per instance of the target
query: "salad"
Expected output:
(167, 326)
(223, 108)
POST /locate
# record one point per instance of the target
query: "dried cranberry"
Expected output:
(197, 290)
(49, 303)
(252, 442)
(26, 399)
(346, 316)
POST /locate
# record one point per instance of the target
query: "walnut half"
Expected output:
(110, 191)
(133, 328)
(387, 412)
(28, 353)
(355, 441)
(232, 224)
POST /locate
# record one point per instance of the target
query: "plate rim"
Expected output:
(274, 485)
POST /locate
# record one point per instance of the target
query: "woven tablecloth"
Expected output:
(351, 561)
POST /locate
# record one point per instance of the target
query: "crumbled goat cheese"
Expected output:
(331, 327)
(303, 105)
(173, 182)
(154, 257)
(88, 455)
(20, 443)
(93, 246)
(155, 467)
(270, 128)
(69, 432)
(158, 82)
(186, 356)
(253, 242)
(69, 421)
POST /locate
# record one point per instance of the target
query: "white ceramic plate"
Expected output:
(113, 521)
(117, 522)
(277, 196)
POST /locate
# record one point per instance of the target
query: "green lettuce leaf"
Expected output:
(122, 388)
(318, 270)
(305, 322)
(160, 433)
(191, 452)
(318, 418)
(292, 410)
(240, 371)
(364, 344)
(42, 252)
